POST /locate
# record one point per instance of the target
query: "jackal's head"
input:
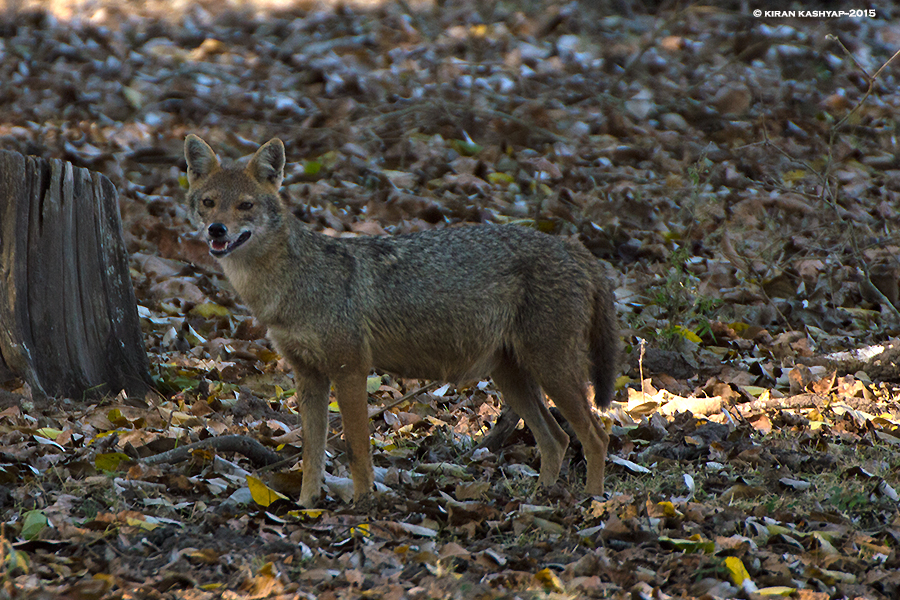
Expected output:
(238, 206)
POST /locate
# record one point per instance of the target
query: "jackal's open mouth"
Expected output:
(223, 247)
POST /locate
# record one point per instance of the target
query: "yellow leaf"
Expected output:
(207, 556)
(549, 580)
(736, 570)
(622, 381)
(109, 461)
(49, 432)
(306, 513)
(147, 525)
(688, 334)
(116, 417)
(739, 327)
(180, 418)
(777, 590)
(261, 493)
(208, 310)
(267, 356)
(465, 147)
(668, 508)
(503, 179)
(793, 176)
(755, 390)
(11, 559)
(361, 530)
(102, 434)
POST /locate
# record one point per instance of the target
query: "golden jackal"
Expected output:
(532, 311)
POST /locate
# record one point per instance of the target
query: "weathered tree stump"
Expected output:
(68, 315)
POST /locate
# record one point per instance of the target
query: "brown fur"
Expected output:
(533, 311)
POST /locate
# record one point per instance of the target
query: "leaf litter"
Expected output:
(739, 176)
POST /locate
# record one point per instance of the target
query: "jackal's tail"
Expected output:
(604, 346)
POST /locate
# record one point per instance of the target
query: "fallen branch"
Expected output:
(258, 454)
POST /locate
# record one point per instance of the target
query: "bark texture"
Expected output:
(68, 315)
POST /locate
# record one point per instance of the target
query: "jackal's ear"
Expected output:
(268, 163)
(201, 160)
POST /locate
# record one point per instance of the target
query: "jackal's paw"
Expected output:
(310, 500)
(558, 493)
(365, 504)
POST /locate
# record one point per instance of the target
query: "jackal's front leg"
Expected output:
(312, 400)
(352, 400)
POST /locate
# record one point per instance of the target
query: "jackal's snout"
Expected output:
(220, 242)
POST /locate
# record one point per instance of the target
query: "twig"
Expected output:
(391, 405)
(641, 368)
(870, 79)
(404, 398)
(827, 195)
(872, 289)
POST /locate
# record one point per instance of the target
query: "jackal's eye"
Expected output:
(208, 202)
(245, 206)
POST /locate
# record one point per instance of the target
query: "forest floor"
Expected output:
(738, 175)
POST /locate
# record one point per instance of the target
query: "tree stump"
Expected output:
(68, 315)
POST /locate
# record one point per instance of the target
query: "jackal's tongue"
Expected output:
(219, 245)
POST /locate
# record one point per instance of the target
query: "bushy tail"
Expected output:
(604, 345)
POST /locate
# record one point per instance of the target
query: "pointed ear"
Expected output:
(201, 160)
(268, 163)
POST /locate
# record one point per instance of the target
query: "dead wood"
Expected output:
(258, 454)
(68, 315)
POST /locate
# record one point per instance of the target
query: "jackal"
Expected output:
(533, 311)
